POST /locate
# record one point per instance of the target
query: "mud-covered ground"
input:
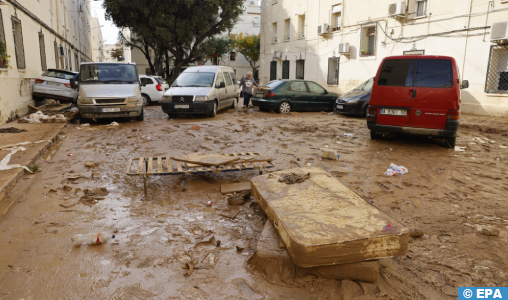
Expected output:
(451, 195)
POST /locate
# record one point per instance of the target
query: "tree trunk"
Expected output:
(178, 67)
(166, 69)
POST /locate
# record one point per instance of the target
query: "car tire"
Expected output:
(83, 120)
(171, 116)
(141, 116)
(235, 103)
(146, 100)
(374, 135)
(449, 141)
(284, 108)
(214, 110)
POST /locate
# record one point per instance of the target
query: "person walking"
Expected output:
(247, 84)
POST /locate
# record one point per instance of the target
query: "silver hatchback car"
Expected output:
(55, 84)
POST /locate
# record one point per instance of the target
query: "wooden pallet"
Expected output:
(164, 165)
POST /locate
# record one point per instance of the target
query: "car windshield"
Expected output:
(274, 84)
(194, 80)
(59, 74)
(108, 73)
(366, 86)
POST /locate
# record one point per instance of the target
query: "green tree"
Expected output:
(4, 57)
(117, 53)
(218, 47)
(182, 27)
(249, 47)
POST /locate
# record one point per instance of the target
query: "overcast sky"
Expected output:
(109, 31)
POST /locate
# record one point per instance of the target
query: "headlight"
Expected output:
(166, 98)
(85, 101)
(353, 100)
(135, 99)
(201, 98)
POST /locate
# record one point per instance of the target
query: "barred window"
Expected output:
(285, 69)
(18, 42)
(2, 37)
(70, 59)
(300, 69)
(273, 70)
(368, 41)
(42, 46)
(57, 55)
(497, 73)
(333, 71)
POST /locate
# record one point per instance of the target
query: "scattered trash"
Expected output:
(329, 154)
(396, 170)
(74, 110)
(93, 196)
(70, 154)
(239, 249)
(195, 127)
(416, 232)
(39, 117)
(503, 147)
(90, 164)
(391, 149)
(239, 199)
(391, 227)
(67, 188)
(209, 203)
(291, 177)
(490, 231)
(348, 134)
(90, 238)
(190, 267)
(114, 124)
(209, 239)
(11, 130)
(4, 162)
(69, 204)
(85, 125)
(460, 149)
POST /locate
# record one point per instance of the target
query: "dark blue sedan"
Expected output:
(355, 102)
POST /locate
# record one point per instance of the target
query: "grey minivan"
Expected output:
(202, 90)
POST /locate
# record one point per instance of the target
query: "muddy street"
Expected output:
(451, 194)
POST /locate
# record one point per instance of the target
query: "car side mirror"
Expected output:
(326, 92)
(73, 83)
(465, 84)
(222, 85)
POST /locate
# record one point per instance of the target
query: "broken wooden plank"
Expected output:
(235, 187)
(140, 165)
(168, 164)
(179, 166)
(206, 159)
(159, 164)
(150, 166)
(129, 166)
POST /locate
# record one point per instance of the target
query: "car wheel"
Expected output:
(284, 108)
(141, 116)
(170, 116)
(83, 120)
(146, 100)
(450, 141)
(235, 103)
(374, 135)
(214, 109)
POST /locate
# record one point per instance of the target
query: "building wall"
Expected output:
(432, 32)
(97, 41)
(60, 21)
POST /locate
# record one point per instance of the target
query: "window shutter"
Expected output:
(285, 69)
(18, 42)
(273, 70)
(57, 60)
(2, 33)
(43, 52)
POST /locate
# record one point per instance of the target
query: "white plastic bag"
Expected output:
(396, 170)
(329, 154)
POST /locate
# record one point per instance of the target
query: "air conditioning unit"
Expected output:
(62, 51)
(344, 48)
(397, 9)
(499, 32)
(322, 29)
(277, 54)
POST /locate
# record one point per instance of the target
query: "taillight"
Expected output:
(372, 110)
(159, 87)
(269, 95)
(39, 80)
(453, 114)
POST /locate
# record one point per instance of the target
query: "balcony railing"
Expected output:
(336, 28)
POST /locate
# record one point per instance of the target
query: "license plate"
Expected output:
(259, 95)
(181, 106)
(115, 109)
(53, 83)
(340, 106)
(394, 112)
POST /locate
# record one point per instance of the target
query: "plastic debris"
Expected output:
(329, 154)
(195, 127)
(4, 162)
(390, 227)
(74, 110)
(348, 134)
(70, 154)
(209, 203)
(38, 116)
(90, 238)
(460, 149)
(396, 170)
(85, 125)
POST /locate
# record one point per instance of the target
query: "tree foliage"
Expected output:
(219, 46)
(248, 46)
(117, 53)
(181, 27)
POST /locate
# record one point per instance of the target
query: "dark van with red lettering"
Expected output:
(417, 95)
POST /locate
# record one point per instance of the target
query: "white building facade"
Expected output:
(340, 43)
(97, 41)
(39, 35)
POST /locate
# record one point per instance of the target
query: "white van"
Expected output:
(109, 90)
(202, 90)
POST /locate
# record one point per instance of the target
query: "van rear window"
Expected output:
(397, 72)
(436, 73)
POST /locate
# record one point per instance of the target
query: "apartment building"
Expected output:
(340, 43)
(37, 35)
(97, 41)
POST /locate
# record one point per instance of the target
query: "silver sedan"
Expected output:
(55, 84)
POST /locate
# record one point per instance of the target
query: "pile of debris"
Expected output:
(292, 177)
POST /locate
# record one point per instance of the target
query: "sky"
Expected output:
(109, 30)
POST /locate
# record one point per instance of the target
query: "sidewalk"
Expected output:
(34, 133)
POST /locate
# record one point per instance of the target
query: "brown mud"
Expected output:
(451, 195)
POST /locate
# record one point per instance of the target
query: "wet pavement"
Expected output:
(451, 195)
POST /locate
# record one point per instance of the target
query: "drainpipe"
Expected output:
(487, 19)
(467, 37)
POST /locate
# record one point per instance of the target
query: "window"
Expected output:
(70, 59)
(18, 42)
(2, 37)
(336, 17)
(434, 73)
(300, 69)
(228, 78)
(298, 86)
(256, 22)
(233, 77)
(107, 52)
(220, 78)
(59, 74)
(285, 69)
(420, 8)
(232, 56)
(273, 70)
(42, 47)
(274, 32)
(57, 65)
(146, 81)
(368, 41)
(497, 72)
(287, 28)
(301, 26)
(333, 71)
(65, 59)
(315, 88)
(76, 61)
(397, 72)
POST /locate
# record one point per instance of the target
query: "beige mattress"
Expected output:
(322, 222)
